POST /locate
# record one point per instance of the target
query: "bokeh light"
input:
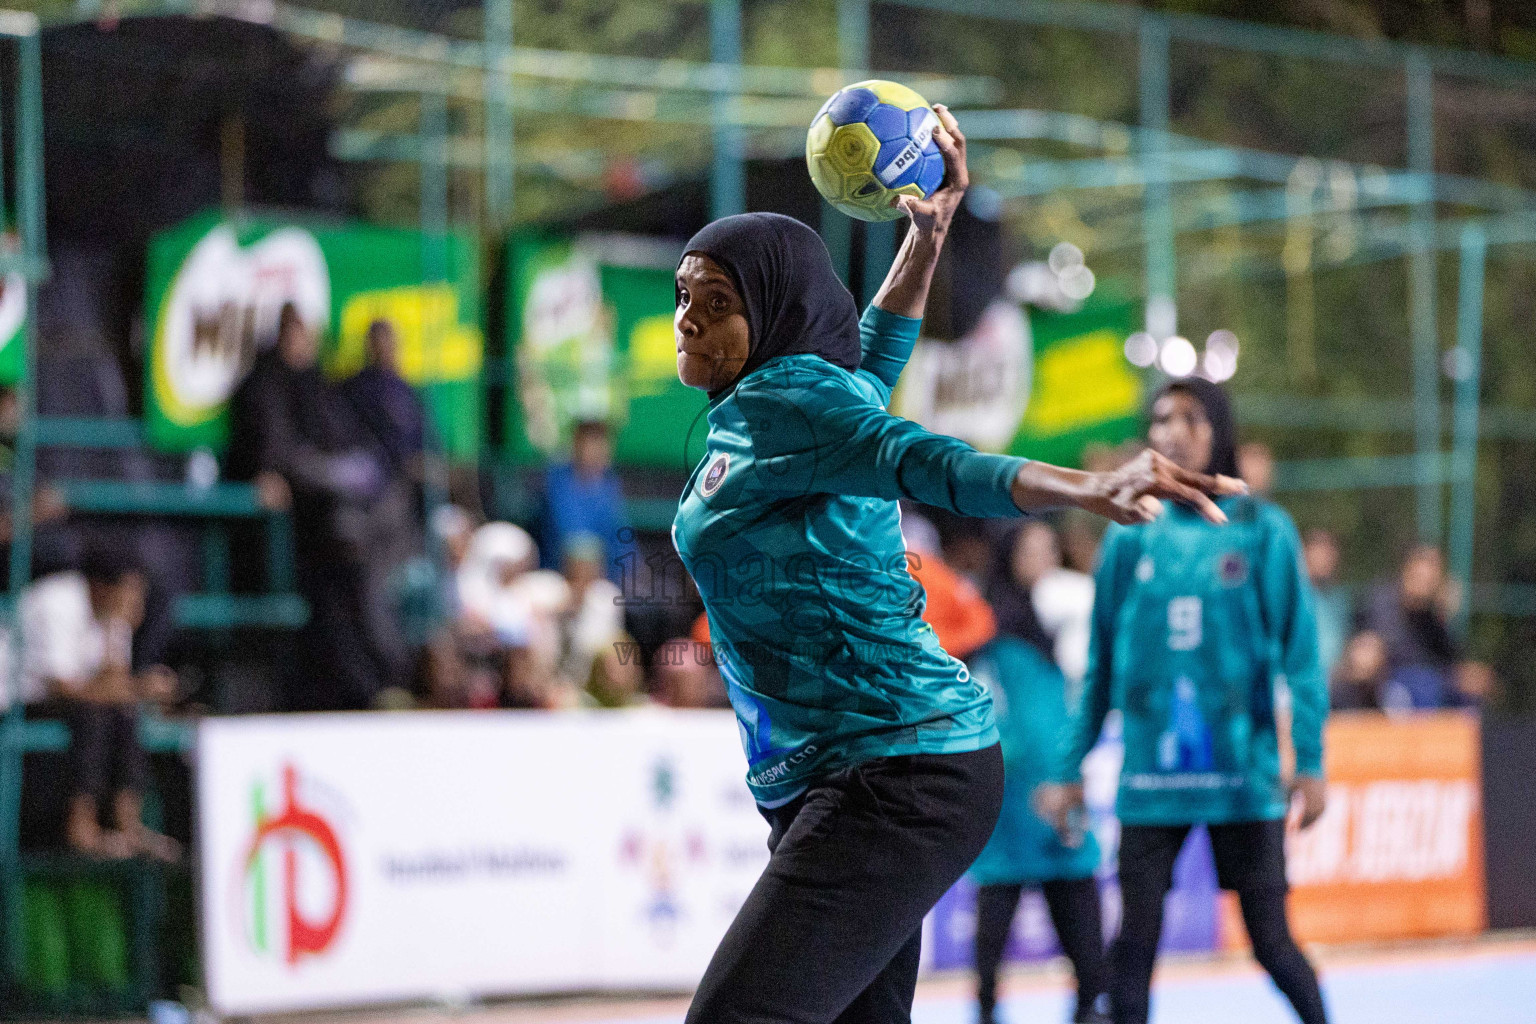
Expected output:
(1220, 360)
(1178, 357)
(1076, 282)
(1064, 257)
(1141, 349)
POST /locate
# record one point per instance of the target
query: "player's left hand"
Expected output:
(1310, 795)
(931, 216)
(1134, 493)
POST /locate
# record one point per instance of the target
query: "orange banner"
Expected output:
(1399, 852)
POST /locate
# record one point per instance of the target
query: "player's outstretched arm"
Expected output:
(905, 291)
(1132, 494)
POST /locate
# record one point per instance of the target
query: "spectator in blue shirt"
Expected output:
(584, 496)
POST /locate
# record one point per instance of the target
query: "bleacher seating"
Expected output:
(214, 608)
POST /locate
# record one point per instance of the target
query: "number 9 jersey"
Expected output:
(1195, 628)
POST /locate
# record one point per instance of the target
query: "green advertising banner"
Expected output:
(215, 288)
(1045, 386)
(589, 336)
(13, 319)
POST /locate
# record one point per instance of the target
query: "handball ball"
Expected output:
(871, 142)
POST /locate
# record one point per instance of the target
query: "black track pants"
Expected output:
(1250, 859)
(831, 932)
(1074, 907)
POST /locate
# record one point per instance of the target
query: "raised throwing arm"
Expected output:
(905, 291)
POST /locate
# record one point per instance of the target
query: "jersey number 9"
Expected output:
(1185, 615)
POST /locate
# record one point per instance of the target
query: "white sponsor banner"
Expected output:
(370, 858)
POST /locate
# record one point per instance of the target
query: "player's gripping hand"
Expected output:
(931, 216)
(1130, 495)
(1135, 492)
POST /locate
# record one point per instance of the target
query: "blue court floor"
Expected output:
(1490, 981)
(1486, 988)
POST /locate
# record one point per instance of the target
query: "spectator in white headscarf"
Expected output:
(512, 611)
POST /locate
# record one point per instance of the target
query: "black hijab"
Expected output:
(1218, 412)
(795, 303)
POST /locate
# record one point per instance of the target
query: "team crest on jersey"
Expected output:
(1232, 569)
(1145, 569)
(714, 476)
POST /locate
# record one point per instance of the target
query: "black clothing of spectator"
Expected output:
(392, 412)
(1410, 616)
(351, 527)
(1414, 636)
(388, 406)
(290, 421)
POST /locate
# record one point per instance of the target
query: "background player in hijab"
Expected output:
(871, 752)
(1030, 698)
(1192, 628)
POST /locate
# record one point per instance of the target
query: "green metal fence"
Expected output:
(1177, 181)
(23, 206)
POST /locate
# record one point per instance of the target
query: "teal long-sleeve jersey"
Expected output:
(790, 528)
(1194, 625)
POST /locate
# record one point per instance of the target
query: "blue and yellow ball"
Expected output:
(873, 141)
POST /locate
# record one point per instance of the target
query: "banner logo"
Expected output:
(294, 879)
(565, 357)
(224, 301)
(661, 850)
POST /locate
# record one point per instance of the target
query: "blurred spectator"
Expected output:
(387, 405)
(959, 615)
(1411, 616)
(1359, 676)
(1256, 465)
(305, 447)
(53, 547)
(584, 496)
(1335, 611)
(1062, 597)
(683, 675)
(1080, 543)
(597, 656)
(1009, 594)
(77, 653)
(490, 622)
(430, 609)
(969, 555)
(1040, 602)
(1475, 684)
(508, 625)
